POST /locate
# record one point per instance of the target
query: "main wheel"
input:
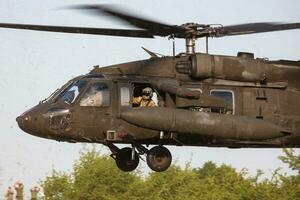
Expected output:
(124, 160)
(159, 158)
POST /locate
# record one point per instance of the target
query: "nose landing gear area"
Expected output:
(127, 159)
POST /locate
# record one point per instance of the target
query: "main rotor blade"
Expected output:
(154, 27)
(252, 28)
(80, 30)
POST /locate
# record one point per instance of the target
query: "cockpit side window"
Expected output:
(69, 95)
(97, 95)
(228, 97)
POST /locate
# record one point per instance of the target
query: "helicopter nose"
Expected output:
(23, 122)
(31, 123)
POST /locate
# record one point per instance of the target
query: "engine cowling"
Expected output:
(245, 69)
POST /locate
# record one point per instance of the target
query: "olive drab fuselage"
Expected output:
(202, 100)
(198, 99)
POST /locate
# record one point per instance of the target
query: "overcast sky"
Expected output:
(34, 64)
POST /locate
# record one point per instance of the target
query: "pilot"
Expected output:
(97, 95)
(145, 100)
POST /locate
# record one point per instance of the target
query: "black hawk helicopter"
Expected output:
(196, 99)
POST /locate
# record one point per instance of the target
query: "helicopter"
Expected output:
(199, 99)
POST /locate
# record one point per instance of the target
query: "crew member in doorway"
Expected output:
(145, 100)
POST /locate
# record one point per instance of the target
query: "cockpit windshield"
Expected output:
(69, 95)
(50, 97)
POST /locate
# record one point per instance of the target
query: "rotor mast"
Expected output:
(190, 43)
(192, 32)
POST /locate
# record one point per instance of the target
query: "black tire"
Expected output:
(124, 160)
(159, 158)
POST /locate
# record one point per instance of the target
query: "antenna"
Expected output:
(172, 37)
(174, 47)
(206, 40)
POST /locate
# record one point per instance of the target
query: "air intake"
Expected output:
(245, 55)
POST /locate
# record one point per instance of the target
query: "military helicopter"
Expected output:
(201, 99)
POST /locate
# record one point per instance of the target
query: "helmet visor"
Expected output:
(146, 93)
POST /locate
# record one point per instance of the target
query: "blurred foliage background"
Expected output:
(95, 177)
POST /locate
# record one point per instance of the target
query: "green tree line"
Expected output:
(95, 177)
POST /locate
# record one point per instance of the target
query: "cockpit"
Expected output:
(69, 94)
(89, 91)
(97, 95)
(78, 105)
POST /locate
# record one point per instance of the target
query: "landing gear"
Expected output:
(127, 159)
(159, 158)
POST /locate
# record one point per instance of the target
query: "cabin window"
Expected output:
(97, 95)
(125, 96)
(144, 95)
(69, 95)
(228, 97)
(196, 89)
